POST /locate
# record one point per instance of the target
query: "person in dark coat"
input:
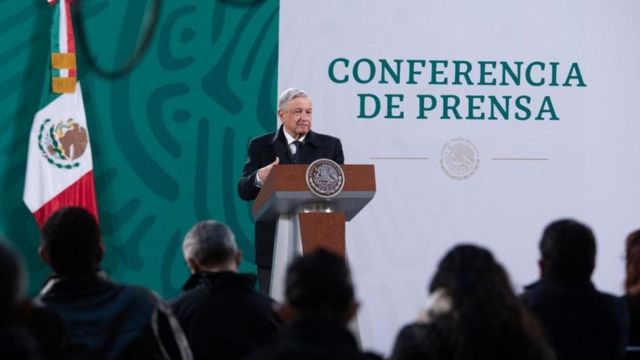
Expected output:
(222, 314)
(102, 319)
(581, 322)
(293, 143)
(319, 303)
(632, 293)
(16, 342)
(475, 315)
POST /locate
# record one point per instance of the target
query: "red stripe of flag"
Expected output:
(80, 193)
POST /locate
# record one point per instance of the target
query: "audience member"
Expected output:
(632, 293)
(475, 315)
(103, 319)
(319, 302)
(46, 327)
(580, 322)
(222, 314)
(15, 340)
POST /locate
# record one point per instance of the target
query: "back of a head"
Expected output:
(632, 280)
(318, 286)
(470, 275)
(209, 243)
(568, 250)
(12, 281)
(71, 239)
(486, 319)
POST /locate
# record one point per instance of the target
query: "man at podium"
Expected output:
(292, 143)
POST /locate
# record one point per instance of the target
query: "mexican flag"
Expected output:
(59, 164)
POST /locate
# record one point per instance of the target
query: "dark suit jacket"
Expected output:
(633, 305)
(223, 316)
(263, 150)
(580, 322)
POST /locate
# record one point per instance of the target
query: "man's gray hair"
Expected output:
(209, 243)
(290, 94)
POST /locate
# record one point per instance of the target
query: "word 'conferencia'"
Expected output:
(462, 73)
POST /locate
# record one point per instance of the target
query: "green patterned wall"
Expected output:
(169, 138)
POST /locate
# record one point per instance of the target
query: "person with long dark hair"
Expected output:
(475, 315)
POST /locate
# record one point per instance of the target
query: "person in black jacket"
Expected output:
(319, 304)
(293, 143)
(222, 314)
(102, 319)
(580, 322)
(632, 293)
(15, 340)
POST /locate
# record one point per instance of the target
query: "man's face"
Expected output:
(296, 117)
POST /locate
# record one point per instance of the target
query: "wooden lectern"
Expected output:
(305, 220)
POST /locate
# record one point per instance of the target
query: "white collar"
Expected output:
(290, 138)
